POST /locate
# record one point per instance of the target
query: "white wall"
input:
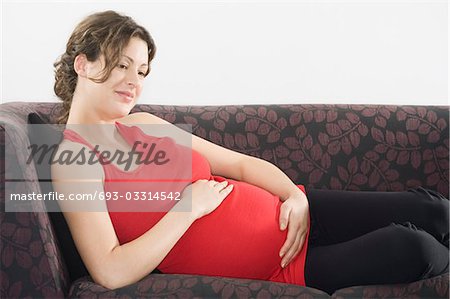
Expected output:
(234, 52)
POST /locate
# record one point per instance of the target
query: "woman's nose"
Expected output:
(132, 78)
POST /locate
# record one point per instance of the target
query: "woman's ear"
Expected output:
(80, 65)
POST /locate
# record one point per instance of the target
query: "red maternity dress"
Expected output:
(241, 238)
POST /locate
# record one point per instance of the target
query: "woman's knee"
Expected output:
(417, 250)
(440, 210)
(433, 199)
(435, 209)
(438, 214)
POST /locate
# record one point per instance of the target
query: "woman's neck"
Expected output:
(84, 115)
(86, 122)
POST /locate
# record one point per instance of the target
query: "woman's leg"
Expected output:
(339, 216)
(392, 254)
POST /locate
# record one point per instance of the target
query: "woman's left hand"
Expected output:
(294, 212)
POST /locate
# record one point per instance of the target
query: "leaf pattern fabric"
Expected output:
(339, 147)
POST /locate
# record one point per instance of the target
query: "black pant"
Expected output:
(362, 237)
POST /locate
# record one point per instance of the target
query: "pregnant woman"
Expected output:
(233, 215)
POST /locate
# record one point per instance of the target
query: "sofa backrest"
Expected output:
(339, 147)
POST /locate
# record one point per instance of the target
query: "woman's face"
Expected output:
(115, 97)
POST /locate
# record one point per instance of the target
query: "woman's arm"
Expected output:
(232, 164)
(112, 265)
(109, 263)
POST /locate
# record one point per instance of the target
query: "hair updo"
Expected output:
(106, 33)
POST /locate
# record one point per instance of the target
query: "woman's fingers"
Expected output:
(221, 185)
(226, 191)
(290, 239)
(287, 257)
(214, 183)
(208, 195)
(295, 249)
(302, 241)
(284, 216)
(293, 213)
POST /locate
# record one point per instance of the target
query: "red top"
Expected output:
(241, 238)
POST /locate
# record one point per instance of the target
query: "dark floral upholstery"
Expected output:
(436, 287)
(340, 147)
(188, 286)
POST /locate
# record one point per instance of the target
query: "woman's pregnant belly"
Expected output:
(241, 238)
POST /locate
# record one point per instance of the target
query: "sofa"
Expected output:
(333, 146)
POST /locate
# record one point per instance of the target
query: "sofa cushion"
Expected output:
(435, 287)
(194, 286)
(46, 134)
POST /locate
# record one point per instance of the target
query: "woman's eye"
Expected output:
(122, 66)
(142, 74)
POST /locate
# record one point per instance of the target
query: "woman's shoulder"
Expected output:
(142, 118)
(71, 160)
(68, 145)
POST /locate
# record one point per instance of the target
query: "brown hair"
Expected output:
(105, 33)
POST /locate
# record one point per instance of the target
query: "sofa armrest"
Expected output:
(31, 263)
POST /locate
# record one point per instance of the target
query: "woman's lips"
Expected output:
(126, 96)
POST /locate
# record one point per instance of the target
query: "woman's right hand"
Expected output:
(206, 195)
